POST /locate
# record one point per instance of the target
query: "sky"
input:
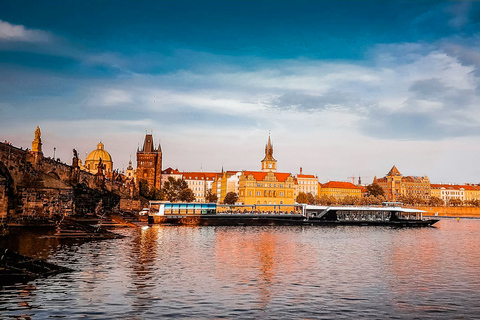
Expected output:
(344, 88)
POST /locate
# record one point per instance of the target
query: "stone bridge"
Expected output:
(33, 185)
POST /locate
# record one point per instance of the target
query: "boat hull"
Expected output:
(277, 220)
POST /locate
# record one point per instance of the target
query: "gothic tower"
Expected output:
(149, 163)
(269, 163)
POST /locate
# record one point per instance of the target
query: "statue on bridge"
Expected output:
(37, 142)
(38, 133)
(75, 159)
(100, 168)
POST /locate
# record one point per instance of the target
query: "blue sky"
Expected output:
(345, 87)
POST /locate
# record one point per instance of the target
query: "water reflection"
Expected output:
(257, 272)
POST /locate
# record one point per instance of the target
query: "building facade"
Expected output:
(339, 190)
(149, 163)
(395, 185)
(200, 183)
(225, 182)
(447, 192)
(306, 183)
(266, 186)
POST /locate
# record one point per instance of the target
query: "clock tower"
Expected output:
(269, 163)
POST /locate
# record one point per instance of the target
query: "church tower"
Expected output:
(149, 163)
(269, 163)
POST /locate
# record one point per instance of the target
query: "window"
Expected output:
(249, 193)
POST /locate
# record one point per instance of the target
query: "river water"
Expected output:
(256, 273)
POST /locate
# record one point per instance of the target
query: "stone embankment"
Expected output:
(473, 212)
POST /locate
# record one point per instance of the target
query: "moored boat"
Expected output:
(298, 214)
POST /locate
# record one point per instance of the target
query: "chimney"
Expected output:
(301, 170)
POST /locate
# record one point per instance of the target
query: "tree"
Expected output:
(177, 190)
(302, 198)
(210, 196)
(455, 202)
(186, 195)
(230, 198)
(310, 198)
(327, 200)
(375, 190)
(149, 193)
(436, 202)
(348, 200)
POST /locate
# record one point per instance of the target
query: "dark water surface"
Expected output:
(257, 272)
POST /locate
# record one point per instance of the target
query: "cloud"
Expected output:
(460, 12)
(11, 32)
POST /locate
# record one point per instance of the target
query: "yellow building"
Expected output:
(93, 159)
(226, 182)
(266, 186)
(258, 187)
(339, 190)
(471, 192)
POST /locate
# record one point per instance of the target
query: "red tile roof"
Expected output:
(169, 170)
(260, 175)
(454, 187)
(340, 185)
(200, 175)
(306, 176)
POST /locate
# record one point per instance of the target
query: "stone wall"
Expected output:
(46, 201)
(131, 205)
(452, 211)
(3, 200)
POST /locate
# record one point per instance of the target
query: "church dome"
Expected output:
(95, 155)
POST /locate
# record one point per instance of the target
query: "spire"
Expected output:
(269, 149)
(148, 145)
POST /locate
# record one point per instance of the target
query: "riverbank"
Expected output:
(471, 212)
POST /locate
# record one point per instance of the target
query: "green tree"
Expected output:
(230, 198)
(149, 193)
(302, 198)
(177, 190)
(156, 194)
(186, 195)
(375, 190)
(210, 196)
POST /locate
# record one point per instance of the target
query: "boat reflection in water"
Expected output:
(299, 214)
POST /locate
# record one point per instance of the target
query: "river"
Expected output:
(256, 273)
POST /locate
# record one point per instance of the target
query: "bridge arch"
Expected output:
(8, 192)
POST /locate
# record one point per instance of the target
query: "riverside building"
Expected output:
(339, 190)
(394, 184)
(266, 186)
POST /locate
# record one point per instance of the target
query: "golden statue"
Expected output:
(37, 142)
(38, 133)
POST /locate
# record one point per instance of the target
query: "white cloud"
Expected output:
(11, 32)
